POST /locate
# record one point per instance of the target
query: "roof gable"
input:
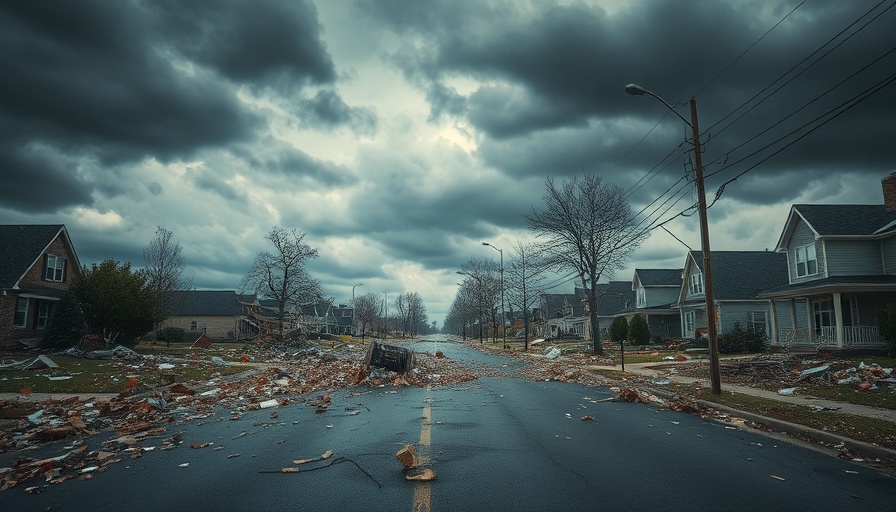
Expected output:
(740, 275)
(21, 246)
(833, 220)
(659, 276)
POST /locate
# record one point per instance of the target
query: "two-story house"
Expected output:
(37, 265)
(656, 295)
(613, 298)
(563, 315)
(841, 260)
(738, 277)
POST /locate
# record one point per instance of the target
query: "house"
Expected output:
(37, 266)
(613, 298)
(221, 315)
(738, 277)
(563, 315)
(326, 318)
(841, 262)
(656, 294)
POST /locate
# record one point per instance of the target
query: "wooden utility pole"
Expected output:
(715, 378)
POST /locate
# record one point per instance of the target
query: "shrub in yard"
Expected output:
(739, 340)
(638, 332)
(618, 330)
(886, 325)
(171, 334)
(66, 324)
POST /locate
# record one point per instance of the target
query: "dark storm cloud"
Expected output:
(208, 181)
(555, 68)
(327, 110)
(115, 83)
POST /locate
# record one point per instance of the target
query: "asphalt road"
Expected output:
(497, 443)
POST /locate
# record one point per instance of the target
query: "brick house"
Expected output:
(37, 265)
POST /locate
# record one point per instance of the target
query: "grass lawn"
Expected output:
(861, 428)
(103, 376)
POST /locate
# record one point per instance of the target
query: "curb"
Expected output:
(819, 436)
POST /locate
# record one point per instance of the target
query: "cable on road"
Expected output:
(338, 460)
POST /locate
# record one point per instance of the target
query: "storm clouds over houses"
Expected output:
(401, 134)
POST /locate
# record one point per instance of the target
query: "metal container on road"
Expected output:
(390, 357)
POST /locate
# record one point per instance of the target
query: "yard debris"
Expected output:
(391, 357)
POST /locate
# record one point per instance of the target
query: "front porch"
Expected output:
(828, 321)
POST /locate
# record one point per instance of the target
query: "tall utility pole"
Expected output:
(353, 306)
(503, 319)
(715, 377)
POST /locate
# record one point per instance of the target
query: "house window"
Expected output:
(696, 283)
(55, 268)
(757, 320)
(824, 314)
(806, 260)
(642, 301)
(193, 325)
(690, 318)
(43, 314)
(21, 313)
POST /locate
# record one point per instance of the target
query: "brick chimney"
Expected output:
(889, 186)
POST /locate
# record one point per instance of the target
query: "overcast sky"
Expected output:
(400, 135)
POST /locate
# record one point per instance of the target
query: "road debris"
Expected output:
(424, 476)
(407, 456)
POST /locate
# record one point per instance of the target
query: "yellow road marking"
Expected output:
(422, 491)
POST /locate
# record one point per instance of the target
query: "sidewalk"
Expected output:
(831, 406)
(884, 455)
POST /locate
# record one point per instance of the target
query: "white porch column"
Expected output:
(838, 319)
(811, 338)
(774, 321)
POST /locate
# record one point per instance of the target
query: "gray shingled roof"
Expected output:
(613, 296)
(742, 275)
(205, 303)
(659, 276)
(20, 246)
(845, 219)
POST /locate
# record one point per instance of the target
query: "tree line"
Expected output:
(586, 230)
(121, 304)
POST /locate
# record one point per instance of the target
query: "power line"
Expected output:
(844, 107)
(767, 32)
(797, 65)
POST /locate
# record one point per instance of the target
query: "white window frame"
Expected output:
(806, 257)
(642, 298)
(760, 319)
(690, 322)
(194, 325)
(20, 310)
(43, 314)
(55, 269)
(695, 283)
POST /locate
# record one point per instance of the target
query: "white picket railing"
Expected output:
(862, 336)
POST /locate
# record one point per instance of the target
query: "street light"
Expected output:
(353, 306)
(503, 319)
(479, 297)
(715, 377)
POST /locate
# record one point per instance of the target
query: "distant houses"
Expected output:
(832, 270)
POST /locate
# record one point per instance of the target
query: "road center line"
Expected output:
(422, 491)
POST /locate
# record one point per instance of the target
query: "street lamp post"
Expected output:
(715, 377)
(478, 296)
(503, 319)
(353, 306)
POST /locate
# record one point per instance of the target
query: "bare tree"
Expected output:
(282, 275)
(523, 280)
(411, 311)
(589, 227)
(165, 272)
(367, 310)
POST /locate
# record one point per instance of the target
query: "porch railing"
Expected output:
(861, 335)
(853, 336)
